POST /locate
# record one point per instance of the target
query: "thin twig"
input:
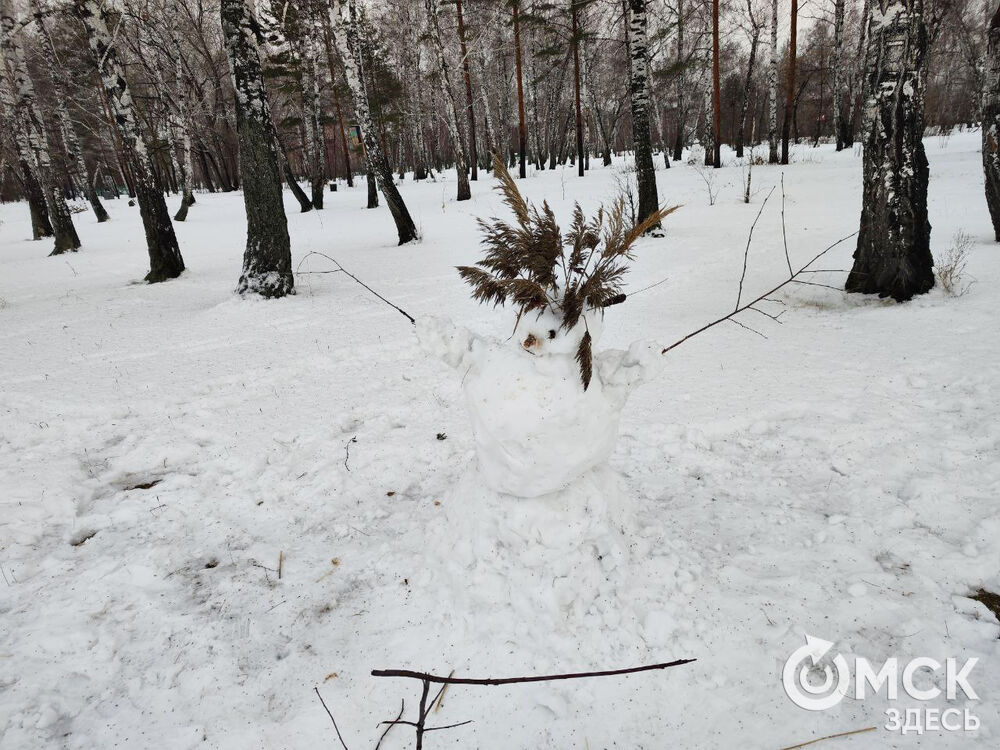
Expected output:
(752, 330)
(784, 233)
(391, 724)
(347, 451)
(437, 679)
(335, 727)
(439, 698)
(340, 268)
(746, 253)
(765, 295)
(814, 283)
(651, 286)
(830, 737)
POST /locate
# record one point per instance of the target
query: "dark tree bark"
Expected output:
(522, 132)
(639, 92)
(838, 68)
(305, 205)
(716, 96)
(574, 12)
(41, 227)
(681, 82)
(748, 80)
(165, 261)
(267, 261)
(372, 183)
(347, 37)
(991, 121)
(790, 92)
(893, 257)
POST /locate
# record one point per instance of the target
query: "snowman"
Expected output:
(544, 408)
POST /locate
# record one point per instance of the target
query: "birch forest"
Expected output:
(139, 99)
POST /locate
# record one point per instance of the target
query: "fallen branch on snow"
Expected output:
(793, 278)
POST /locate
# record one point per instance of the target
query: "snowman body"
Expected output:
(537, 429)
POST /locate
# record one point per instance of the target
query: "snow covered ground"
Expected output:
(162, 447)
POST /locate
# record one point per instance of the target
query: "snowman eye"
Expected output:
(552, 334)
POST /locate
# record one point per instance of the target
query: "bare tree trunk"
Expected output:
(747, 85)
(681, 82)
(454, 129)
(639, 92)
(41, 227)
(185, 125)
(522, 135)
(893, 256)
(716, 95)
(790, 94)
(468, 91)
(315, 143)
(267, 261)
(772, 88)
(165, 261)
(838, 64)
(576, 86)
(991, 121)
(349, 42)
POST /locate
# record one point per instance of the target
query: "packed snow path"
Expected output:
(162, 447)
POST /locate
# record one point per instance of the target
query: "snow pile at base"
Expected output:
(536, 428)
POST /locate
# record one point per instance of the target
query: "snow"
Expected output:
(162, 447)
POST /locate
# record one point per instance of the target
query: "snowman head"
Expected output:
(543, 333)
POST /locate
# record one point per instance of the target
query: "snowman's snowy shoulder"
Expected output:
(641, 363)
(456, 345)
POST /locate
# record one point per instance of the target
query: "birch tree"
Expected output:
(183, 120)
(344, 20)
(772, 89)
(267, 260)
(29, 129)
(838, 67)
(893, 256)
(67, 129)
(639, 93)
(165, 261)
